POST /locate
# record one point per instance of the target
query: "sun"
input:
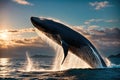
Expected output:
(4, 35)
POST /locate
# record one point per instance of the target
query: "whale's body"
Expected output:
(70, 40)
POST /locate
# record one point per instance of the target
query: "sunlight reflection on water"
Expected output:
(4, 67)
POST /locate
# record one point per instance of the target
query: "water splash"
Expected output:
(110, 64)
(29, 66)
(71, 61)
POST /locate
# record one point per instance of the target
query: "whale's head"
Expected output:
(45, 25)
(48, 27)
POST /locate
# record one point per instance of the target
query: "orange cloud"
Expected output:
(16, 38)
(33, 41)
(22, 2)
(19, 31)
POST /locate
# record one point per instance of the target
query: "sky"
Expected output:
(97, 20)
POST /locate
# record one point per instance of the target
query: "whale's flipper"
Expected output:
(65, 49)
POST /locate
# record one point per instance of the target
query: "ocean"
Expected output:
(39, 67)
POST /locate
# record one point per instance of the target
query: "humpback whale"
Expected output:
(70, 40)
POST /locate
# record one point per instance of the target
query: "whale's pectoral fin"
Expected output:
(65, 49)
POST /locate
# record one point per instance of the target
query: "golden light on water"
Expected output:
(4, 61)
(4, 70)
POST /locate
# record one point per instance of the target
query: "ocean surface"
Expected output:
(39, 67)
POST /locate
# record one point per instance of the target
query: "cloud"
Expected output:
(21, 46)
(20, 31)
(17, 47)
(99, 5)
(107, 40)
(81, 30)
(33, 41)
(92, 20)
(93, 27)
(106, 35)
(16, 38)
(22, 2)
(88, 22)
(26, 42)
(109, 21)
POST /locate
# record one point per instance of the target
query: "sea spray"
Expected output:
(71, 61)
(29, 65)
(110, 64)
(32, 65)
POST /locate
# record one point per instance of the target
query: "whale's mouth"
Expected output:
(35, 21)
(38, 23)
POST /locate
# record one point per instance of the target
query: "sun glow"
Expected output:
(4, 38)
(4, 35)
